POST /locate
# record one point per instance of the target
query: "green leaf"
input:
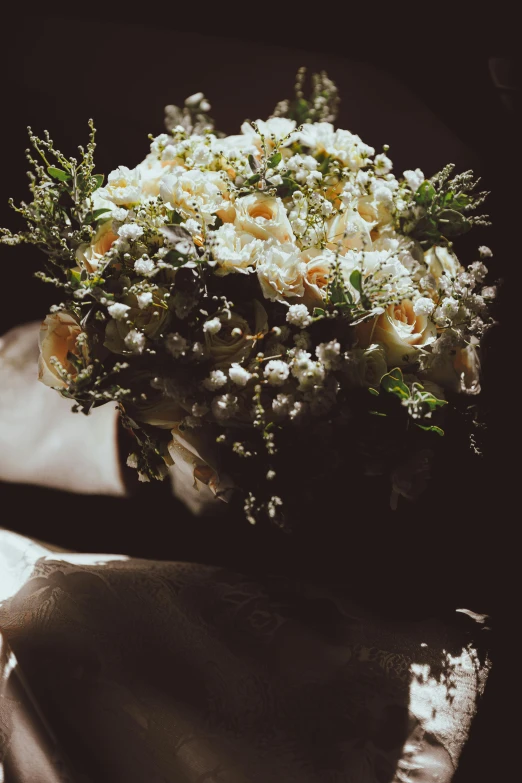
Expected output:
(59, 174)
(91, 217)
(337, 295)
(377, 413)
(254, 165)
(274, 160)
(393, 383)
(175, 218)
(431, 428)
(175, 259)
(373, 391)
(99, 180)
(356, 280)
(319, 312)
(453, 223)
(424, 194)
(74, 277)
(252, 180)
(461, 201)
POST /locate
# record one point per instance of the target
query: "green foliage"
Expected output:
(60, 216)
(419, 403)
(445, 208)
(321, 105)
(63, 176)
(356, 280)
(393, 383)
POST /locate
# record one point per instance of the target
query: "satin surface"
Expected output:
(118, 669)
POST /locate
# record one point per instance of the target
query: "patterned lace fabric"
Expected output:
(116, 669)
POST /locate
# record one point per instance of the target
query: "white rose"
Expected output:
(365, 367)
(439, 261)
(234, 250)
(346, 147)
(100, 202)
(195, 191)
(235, 147)
(151, 172)
(399, 330)
(375, 210)
(123, 187)
(319, 266)
(238, 335)
(264, 217)
(274, 130)
(90, 256)
(59, 336)
(349, 231)
(281, 272)
(385, 269)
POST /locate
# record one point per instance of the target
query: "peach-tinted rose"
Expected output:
(58, 337)
(319, 267)
(264, 217)
(349, 231)
(90, 256)
(399, 330)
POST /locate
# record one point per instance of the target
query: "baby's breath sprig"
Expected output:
(321, 106)
(440, 209)
(60, 217)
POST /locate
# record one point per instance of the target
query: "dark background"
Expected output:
(432, 105)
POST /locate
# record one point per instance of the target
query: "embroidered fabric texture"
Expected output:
(117, 669)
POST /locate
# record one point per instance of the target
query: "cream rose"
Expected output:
(376, 211)
(237, 336)
(151, 172)
(399, 330)
(234, 250)
(235, 147)
(195, 191)
(274, 130)
(122, 188)
(319, 266)
(340, 144)
(366, 366)
(281, 272)
(264, 217)
(439, 261)
(457, 372)
(349, 231)
(90, 256)
(194, 456)
(58, 337)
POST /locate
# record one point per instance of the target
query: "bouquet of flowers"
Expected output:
(237, 295)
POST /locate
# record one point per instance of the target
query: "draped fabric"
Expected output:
(118, 669)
